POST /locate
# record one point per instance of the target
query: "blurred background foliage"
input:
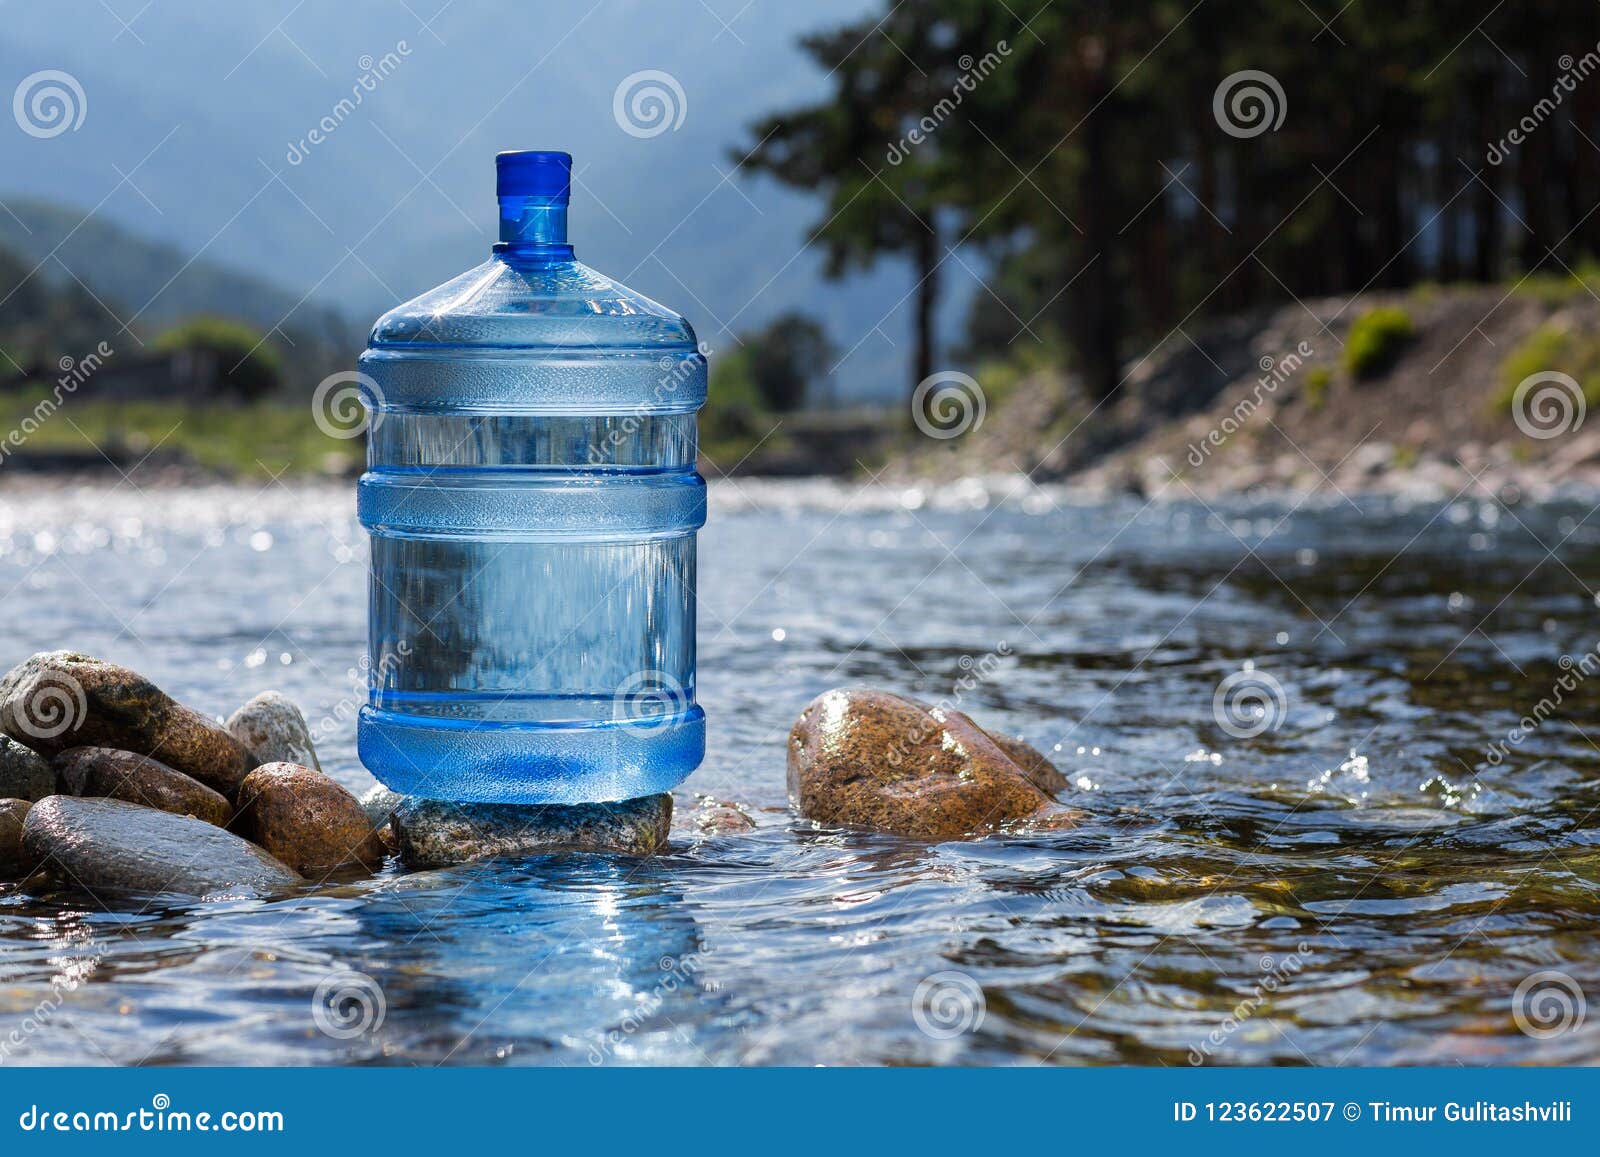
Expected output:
(1068, 155)
(1088, 170)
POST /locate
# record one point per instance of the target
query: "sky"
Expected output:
(196, 123)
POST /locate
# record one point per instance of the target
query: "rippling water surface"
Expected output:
(1367, 879)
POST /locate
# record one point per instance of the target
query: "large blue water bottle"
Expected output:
(532, 499)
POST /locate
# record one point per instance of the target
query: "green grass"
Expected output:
(259, 439)
(1551, 348)
(1555, 289)
(256, 439)
(1376, 339)
(1318, 379)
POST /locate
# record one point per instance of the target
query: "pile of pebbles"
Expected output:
(110, 785)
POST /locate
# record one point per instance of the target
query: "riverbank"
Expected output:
(1429, 393)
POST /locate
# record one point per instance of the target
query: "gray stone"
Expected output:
(711, 816)
(379, 804)
(275, 731)
(24, 773)
(435, 833)
(107, 845)
(56, 700)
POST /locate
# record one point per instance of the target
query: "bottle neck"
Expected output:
(535, 226)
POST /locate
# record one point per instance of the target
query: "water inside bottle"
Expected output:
(533, 501)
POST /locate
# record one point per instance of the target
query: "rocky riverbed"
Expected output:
(107, 784)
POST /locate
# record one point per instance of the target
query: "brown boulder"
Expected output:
(111, 774)
(872, 759)
(24, 773)
(1043, 774)
(57, 700)
(306, 820)
(14, 862)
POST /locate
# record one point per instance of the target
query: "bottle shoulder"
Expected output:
(512, 303)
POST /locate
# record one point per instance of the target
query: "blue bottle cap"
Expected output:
(534, 173)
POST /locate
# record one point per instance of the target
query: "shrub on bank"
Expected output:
(1375, 341)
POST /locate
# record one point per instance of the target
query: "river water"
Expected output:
(1315, 830)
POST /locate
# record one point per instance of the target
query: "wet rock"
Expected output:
(108, 845)
(306, 820)
(1040, 771)
(104, 772)
(872, 759)
(379, 804)
(435, 833)
(56, 700)
(24, 773)
(712, 817)
(14, 862)
(274, 730)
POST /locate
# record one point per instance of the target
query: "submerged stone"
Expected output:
(872, 759)
(711, 816)
(436, 833)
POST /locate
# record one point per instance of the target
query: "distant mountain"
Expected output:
(41, 323)
(191, 111)
(149, 285)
